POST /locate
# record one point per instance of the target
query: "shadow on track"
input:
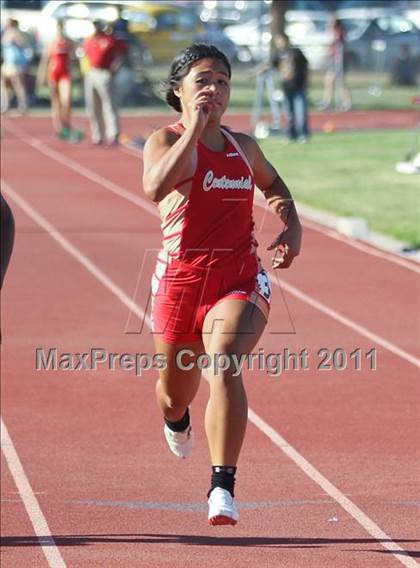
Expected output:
(270, 542)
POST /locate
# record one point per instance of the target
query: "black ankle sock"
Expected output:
(179, 425)
(223, 476)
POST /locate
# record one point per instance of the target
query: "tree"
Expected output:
(278, 13)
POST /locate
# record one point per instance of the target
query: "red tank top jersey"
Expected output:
(209, 249)
(207, 219)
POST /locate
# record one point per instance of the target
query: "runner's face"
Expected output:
(208, 76)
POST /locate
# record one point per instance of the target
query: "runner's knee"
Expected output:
(225, 368)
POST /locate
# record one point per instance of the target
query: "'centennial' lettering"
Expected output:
(211, 182)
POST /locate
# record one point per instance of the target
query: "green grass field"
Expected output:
(360, 84)
(353, 174)
(243, 89)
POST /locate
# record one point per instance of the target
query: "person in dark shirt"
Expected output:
(293, 68)
(120, 26)
(405, 68)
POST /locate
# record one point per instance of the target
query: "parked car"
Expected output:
(374, 37)
(166, 29)
(162, 29)
(26, 12)
(307, 30)
(375, 43)
(77, 17)
(413, 15)
(252, 39)
(230, 12)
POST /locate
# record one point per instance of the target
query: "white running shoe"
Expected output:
(222, 509)
(180, 443)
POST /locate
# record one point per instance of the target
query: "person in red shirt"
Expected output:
(210, 293)
(55, 68)
(103, 53)
(335, 73)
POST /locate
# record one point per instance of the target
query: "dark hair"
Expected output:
(99, 26)
(182, 63)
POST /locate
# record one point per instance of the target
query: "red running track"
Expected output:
(329, 472)
(319, 121)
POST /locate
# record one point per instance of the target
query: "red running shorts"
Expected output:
(183, 294)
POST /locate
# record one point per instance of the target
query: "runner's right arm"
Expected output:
(167, 158)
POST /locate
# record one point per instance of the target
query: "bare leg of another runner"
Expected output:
(55, 108)
(328, 89)
(64, 93)
(19, 86)
(5, 95)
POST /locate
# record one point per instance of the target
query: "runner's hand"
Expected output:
(287, 246)
(202, 105)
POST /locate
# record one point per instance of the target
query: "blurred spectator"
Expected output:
(404, 71)
(7, 226)
(335, 74)
(104, 54)
(263, 74)
(55, 67)
(14, 44)
(122, 34)
(293, 69)
(120, 26)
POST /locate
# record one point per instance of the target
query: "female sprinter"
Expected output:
(209, 292)
(55, 67)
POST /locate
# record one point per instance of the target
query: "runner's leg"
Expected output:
(231, 327)
(176, 387)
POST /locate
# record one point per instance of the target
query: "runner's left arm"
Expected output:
(288, 243)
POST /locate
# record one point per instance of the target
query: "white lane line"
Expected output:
(366, 522)
(360, 329)
(36, 516)
(121, 192)
(84, 260)
(86, 172)
(371, 528)
(367, 248)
